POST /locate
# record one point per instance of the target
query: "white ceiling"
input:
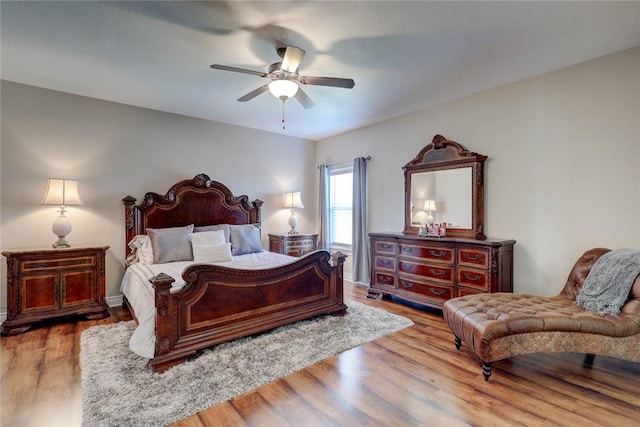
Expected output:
(403, 56)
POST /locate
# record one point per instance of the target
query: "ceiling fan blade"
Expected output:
(238, 70)
(327, 81)
(291, 59)
(304, 99)
(253, 93)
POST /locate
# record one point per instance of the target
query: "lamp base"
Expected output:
(60, 243)
(61, 227)
(293, 222)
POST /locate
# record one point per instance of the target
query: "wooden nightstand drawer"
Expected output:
(50, 283)
(293, 244)
(43, 264)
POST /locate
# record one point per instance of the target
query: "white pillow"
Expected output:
(212, 253)
(141, 250)
(205, 238)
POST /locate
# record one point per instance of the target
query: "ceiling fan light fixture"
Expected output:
(283, 89)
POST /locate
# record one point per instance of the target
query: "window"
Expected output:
(340, 206)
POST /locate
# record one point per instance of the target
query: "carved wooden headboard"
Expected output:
(198, 201)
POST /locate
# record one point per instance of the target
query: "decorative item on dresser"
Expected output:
(293, 244)
(431, 270)
(51, 283)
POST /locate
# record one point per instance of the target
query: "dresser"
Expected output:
(293, 244)
(430, 271)
(51, 283)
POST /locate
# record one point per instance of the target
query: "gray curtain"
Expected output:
(323, 233)
(360, 246)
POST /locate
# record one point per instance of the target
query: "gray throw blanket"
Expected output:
(609, 282)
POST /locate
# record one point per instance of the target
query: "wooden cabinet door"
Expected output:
(39, 292)
(78, 287)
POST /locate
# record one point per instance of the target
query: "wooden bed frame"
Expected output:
(219, 304)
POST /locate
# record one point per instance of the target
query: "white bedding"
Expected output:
(140, 293)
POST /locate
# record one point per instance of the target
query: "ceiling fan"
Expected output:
(285, 78)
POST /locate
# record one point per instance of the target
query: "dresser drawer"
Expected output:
(385, 279)
(478, 279)
(385, 263)
(52, 263)
(429, 290)
(382, 247)
(441, 254)
(460, 292)
(441, 273)
(473, 257)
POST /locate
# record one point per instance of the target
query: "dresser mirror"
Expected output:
(444, 184)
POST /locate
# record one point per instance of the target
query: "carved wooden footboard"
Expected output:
(220, 304)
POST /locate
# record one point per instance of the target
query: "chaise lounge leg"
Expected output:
(486, 370)
(588, 360)
(458, 342)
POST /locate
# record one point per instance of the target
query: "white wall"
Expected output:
(563, 173)
(116, 150)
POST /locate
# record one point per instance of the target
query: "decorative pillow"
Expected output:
(141, 250)
(223, 227)
(212, 253)
(208, 238)
(171, 244)
(245, 239)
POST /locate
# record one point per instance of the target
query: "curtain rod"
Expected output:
(344, 163)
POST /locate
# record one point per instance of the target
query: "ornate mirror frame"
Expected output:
(443, 154)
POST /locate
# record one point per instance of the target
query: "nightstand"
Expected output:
(51, 283)
(293, 244)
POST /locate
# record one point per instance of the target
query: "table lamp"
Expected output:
(62, 192)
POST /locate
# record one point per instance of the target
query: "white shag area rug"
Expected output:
(118, 389)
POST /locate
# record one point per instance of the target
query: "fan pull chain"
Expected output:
(283, 113)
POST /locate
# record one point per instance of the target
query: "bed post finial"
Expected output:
(202, 180)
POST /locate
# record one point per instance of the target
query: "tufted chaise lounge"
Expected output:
(501, 325)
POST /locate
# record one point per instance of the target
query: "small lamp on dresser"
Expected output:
(62, 192)
(293, 201)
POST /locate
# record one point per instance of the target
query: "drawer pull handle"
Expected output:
(437, 254)
(437, 292)
(468, 257)
(386, 263)
(385, 246)
(473, 278)
(407, 285)
(407, 250)
(409, 267)
(385, 279)
(438, 273)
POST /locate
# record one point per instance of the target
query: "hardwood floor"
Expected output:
(414, 377)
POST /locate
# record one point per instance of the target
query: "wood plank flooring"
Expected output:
(414, 377)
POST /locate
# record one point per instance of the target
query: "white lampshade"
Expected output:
(293, 200)
(62, 192)
(429, 206)
(283, 89)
